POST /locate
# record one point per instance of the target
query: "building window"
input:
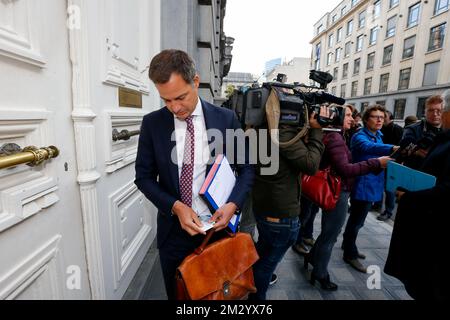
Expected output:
(343, 10)
(391, 25)
(368, 86)
(437, 35)
(413, 15)
(331, 40)
(421, 107)
(364, 106)
(362, 20)
(387, 54)
(373, 35)
(440, 6)
(339, 35)
(354, 2)
(384, 82)
(370, 60)
(343, 89)
(408, 47)
(345, 71)
(349, 27)
(333, 91)
(359, 43)
(356, 66)
(376, 9)
(431, 73)
(381, 103)
(333, 19)
(348, 47)
(403, 82)
(337, 56)
(320, 29)
(335, 73)
(354, 89)
(393, 3)
(329, 58)
(399, 109)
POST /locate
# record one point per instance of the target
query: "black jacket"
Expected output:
(419, 244)
(413, 134)
(392, 133)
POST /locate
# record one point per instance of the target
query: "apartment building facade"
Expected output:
(392, 52)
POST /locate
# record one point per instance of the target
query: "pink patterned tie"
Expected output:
(187, 170)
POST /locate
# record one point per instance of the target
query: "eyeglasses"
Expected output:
(438, 111)
(377, 117)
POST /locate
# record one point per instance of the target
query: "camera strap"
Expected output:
(273, 113)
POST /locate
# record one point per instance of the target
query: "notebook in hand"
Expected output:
(399, 176)
(218, 186)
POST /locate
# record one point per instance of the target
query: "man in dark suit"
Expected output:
(174, 157)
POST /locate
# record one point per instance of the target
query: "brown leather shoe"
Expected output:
(361, 256)
(355, 264)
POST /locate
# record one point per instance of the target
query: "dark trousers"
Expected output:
(332, 222)
(358, 213)
(308, 212)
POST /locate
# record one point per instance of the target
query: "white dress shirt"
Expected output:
(201, 155)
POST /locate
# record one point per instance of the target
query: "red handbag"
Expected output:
(323, 188)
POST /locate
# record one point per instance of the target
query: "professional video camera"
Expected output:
(296, 102)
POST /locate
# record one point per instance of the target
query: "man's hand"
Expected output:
(384, 161)
(421, 153)
(223, 215)
(324, 113)
(399, 195)
(188, 219)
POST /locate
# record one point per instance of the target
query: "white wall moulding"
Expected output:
(119, 154)
(130, 229)
(36, 276)
(19, 31)
(123, 58)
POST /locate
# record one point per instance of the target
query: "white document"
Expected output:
(223, 183)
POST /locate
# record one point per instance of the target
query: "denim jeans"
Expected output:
(358, 214)
(273, 241)
(332, 223)
(308, 211)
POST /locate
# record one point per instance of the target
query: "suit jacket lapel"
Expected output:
(169, 129)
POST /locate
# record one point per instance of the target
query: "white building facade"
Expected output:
(72, 72)
(392, 52)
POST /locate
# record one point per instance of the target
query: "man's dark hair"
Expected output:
(171, 61)
(369, 110)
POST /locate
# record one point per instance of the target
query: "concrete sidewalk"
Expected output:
(373, 240)
(293, 284)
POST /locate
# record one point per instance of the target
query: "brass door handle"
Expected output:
(12, 155)
(124, 134)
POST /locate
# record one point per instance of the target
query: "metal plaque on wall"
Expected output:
(130, 98)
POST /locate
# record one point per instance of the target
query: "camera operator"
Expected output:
(423, 132)
(276, 198)
(421, 265)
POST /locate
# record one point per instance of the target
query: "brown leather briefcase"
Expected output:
(220, 271)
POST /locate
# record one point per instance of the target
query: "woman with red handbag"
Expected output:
(338, 156)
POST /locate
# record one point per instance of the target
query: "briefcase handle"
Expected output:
(208, 236)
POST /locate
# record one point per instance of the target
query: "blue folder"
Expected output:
(407, 178)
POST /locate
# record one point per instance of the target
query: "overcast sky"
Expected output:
(269, 29)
